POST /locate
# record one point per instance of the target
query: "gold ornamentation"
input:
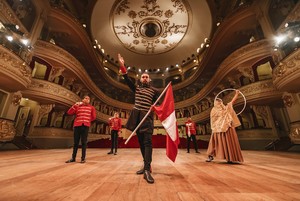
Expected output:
(288, 100)
(14, 64)
(295, 132)
(62, 56)
(150, 22)
(16, 99)
(7, 130)
(287, 67)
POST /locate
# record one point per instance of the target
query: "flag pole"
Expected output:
(142, 121)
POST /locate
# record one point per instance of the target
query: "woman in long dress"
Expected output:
(224, 143)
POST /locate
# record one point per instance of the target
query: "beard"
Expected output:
(145, 84)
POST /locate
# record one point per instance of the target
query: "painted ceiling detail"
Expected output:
(150, 26)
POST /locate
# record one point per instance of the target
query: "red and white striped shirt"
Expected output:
(85, 114)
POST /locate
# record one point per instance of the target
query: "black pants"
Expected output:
(193, 137)
(80, 132)
(114, 140)
(145, 141)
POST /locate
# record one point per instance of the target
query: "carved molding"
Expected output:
(251, 50)
(7, 130)
(14, 67)
(253, 92)
(46, 50)
(287, 70)
(256, 49)
(50, 92)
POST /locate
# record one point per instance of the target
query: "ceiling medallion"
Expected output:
(150, 26)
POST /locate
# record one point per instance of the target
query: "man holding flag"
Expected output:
(145, 96)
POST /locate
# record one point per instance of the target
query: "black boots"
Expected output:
(111, 152)
(141, 171)
(71, 160)
(148, 177)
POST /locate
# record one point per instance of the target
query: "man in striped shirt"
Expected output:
(145, 96)
(85, 114)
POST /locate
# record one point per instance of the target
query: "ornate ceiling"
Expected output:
(151, 33)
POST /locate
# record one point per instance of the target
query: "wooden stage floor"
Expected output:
(31, 175)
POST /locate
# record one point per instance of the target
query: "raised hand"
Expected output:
(121, 60)
(122, 64)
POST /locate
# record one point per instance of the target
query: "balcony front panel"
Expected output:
(47, 92)
(15, 75)
(287, 73)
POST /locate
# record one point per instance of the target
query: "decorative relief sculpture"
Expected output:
(15, 65)
(295, 134)
(16, 99)
(288, 100)
(7, 130)
(288, 66)
(150, 23)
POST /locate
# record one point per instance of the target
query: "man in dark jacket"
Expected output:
(145, 96)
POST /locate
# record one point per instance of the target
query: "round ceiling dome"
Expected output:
(150, 26)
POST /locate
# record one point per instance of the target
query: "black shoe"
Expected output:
(188, 152)
(141, 171)
(229, 162)
(148, 177)
(198, 152)
(110, 152)
(115, 153)
(210, 158)
(71, 160)
(82, 161)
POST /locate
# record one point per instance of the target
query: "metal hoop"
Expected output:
(231, 89)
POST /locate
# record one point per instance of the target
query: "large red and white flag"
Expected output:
(166, 114)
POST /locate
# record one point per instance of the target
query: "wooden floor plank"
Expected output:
(44, 175)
